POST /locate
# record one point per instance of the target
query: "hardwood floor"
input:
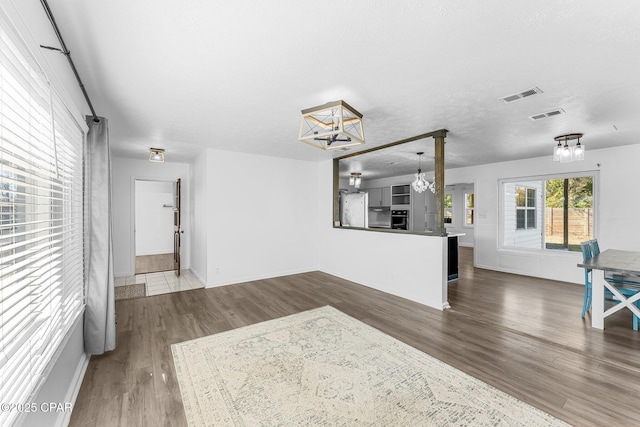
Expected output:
(154, 263)
(520, 334)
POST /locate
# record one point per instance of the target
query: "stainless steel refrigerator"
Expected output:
(354, 209)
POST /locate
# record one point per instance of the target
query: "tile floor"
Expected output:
(163, 282)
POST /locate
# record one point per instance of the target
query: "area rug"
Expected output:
(130, 291)
(324, 368)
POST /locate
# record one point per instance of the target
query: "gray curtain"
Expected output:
(99, 317)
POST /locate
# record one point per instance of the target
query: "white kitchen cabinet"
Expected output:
(386, 196)
(379, 197)
(375, 197)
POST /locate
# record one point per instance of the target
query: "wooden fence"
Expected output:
(580, 225)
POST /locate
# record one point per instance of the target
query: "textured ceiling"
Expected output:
(185, 75)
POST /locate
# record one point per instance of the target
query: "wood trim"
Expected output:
(336, 193)
(435, 133)
(439, 177)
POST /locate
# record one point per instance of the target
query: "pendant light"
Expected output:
(420, 184)
(355, 179)
(557, 152)
(578, 151)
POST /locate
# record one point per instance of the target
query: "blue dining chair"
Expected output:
(588, 273)
(626, 287)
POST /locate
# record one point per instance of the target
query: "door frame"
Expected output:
(133, 214)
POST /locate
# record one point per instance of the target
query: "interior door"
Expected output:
(176, 228)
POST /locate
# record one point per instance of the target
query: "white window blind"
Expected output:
(41, 222)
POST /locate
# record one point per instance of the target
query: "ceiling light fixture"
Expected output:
(331, 126)
(355, 179)
(421, 184)
(156, 155)
(565, 153)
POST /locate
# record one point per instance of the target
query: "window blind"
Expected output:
(41, 222)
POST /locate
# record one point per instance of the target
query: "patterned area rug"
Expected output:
(130, 291)
(321, 368)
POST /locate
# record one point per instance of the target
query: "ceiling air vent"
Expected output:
(548, 114)
(510, 98)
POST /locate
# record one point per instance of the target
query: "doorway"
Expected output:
(156, 242)
(154, 226)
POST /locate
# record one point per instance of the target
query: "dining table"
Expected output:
(608, 263)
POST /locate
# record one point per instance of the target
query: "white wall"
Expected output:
(154, 201)
(410, 266)
(260, 216)
(124, 173)
(200, 204)
(616, 210)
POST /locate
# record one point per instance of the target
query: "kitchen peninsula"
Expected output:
(424, 277)
(372, 208)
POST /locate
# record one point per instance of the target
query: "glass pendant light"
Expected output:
(557, 152)
(578, 151)
(355, 179)
(567, 153)
(420, 184)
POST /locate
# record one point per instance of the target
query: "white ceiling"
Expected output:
(234, 75)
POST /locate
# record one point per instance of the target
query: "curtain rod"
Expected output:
(66, 53)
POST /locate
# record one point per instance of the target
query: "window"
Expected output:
(469, 208)
(41, 223)
(525, 208)
(448, 208)
(569, 212)
(554, 212)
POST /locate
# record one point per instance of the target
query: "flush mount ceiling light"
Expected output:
(355, 179)
(156, 155)
(331, 126)
(566, 154)
(421, 184)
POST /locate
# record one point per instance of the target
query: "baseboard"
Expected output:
(72, 394)
(195, 273)
(524, 273)
(215, 284)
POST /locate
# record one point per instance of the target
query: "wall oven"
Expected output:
(400, 219)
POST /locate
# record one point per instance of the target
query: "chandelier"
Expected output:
(331, 126)
(421, 184)
(355, 179)
(565, 153)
